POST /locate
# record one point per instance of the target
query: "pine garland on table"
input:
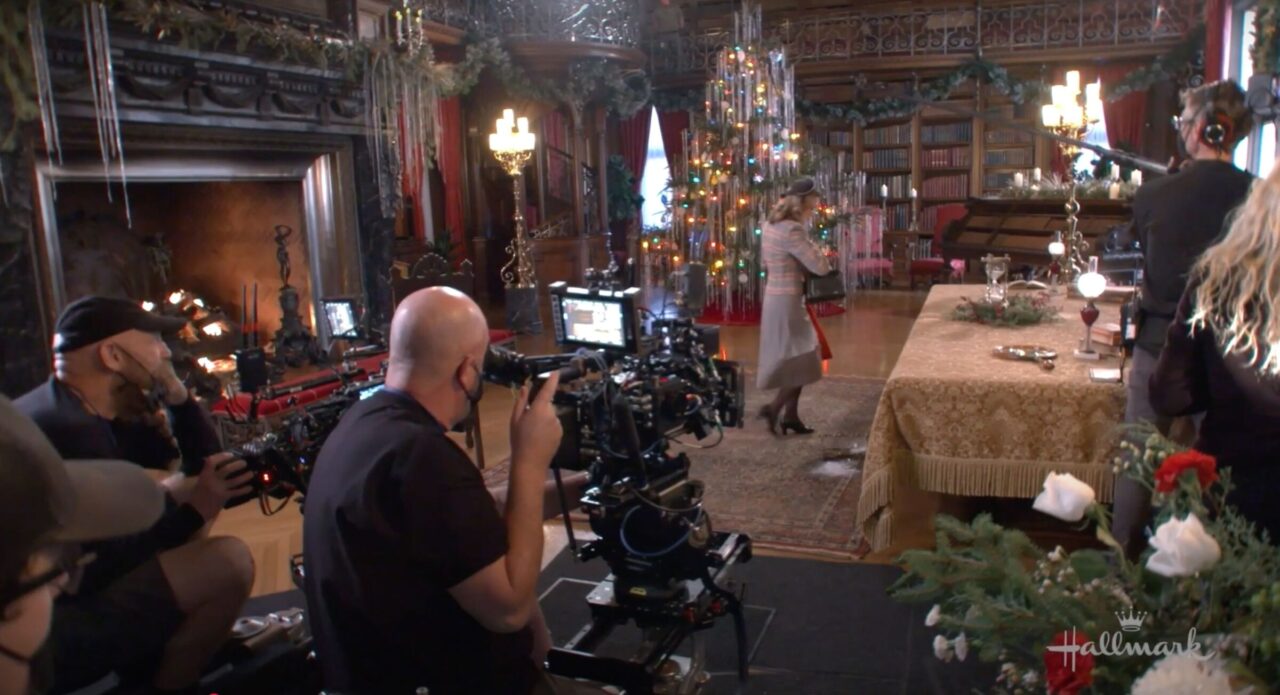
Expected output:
(1022, 310)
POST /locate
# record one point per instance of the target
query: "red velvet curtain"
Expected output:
(633, 134)
(1127, 116)
(1215, 37)
(673, 124)
(449, 159)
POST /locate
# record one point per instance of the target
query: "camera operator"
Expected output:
(154, 606)
(46, 507)
(1177, 217)
(412, 577)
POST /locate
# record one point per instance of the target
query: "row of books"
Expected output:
(899, 186)
(831, 137)
(886, 159)
(893, 135)
(1008, 137)
(899, 216)
(1022, 158)
(998, 179)
(951, 186)
(949, 157)
(948, 132)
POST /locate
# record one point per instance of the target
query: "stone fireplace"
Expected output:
(204, 222)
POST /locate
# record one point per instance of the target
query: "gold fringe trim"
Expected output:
(1004, 478)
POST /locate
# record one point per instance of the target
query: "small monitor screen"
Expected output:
(592, 321)
(340, 317)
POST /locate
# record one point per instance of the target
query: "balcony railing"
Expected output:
(962, 29)
(615, 22)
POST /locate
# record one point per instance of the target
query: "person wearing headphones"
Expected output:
(47, 508)
(156, 605)
(1175, 218)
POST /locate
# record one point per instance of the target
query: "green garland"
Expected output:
(1163, 69)
(1266, 41)
(1022, 310)
(182, 22)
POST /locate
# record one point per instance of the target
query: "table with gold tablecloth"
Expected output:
(954, 419)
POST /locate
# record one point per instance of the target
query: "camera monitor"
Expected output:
(596, 319)
(341, 318)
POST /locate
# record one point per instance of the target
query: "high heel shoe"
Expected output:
(795, 426)
(768, 413)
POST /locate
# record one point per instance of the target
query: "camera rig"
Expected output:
(620, 409)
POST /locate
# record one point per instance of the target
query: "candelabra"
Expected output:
(1068, 116)
(512, 146)
(1091, 285)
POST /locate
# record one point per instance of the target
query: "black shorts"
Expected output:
(123, 627)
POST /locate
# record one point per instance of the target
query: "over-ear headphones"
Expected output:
(1218, 130)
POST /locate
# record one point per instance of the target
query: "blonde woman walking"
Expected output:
(1221, 357)
(789, 358)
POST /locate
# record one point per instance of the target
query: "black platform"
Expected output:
(813, 627)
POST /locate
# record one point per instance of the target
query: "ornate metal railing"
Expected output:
(616, 22)
(1027, 25)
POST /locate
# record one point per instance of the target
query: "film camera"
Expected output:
(282, 459)
(625, 397)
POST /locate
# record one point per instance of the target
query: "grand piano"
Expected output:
(1022, 229)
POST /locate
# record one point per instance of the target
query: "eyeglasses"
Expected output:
(68, 563)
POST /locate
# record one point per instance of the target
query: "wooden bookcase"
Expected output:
(947, 157)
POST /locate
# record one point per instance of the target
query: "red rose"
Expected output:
(1174, 465)
(1067, 669)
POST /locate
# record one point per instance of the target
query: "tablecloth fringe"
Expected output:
(996, 478)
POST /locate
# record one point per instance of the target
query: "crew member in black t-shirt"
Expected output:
(413, 579)
(156, 605)
(1177, 217)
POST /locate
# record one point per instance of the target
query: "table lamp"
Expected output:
(1057, 249)
(1091, 285)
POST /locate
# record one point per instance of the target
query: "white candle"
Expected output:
(1017, 180)
(913, 193)
(1135, 177)
(1114, 191)
(1073, 81)
(1115, 171)
(1035, 175)
(884, 190)
(522, 125)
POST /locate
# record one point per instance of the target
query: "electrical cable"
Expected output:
(622, 536)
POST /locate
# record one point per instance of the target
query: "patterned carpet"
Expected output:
(797, 493)
(794, 493)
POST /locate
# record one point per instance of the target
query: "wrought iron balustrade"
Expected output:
(961, 29)
(615, 22)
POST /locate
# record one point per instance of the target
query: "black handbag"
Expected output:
(824, 288)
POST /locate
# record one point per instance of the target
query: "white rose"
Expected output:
(942, 648)
(935, 614)
(1031, 678)
(1183, 548)
(1064, 497)
(961, 645)
(1184, 673)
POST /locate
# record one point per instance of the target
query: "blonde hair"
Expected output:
(1240, 281)
(789, 207)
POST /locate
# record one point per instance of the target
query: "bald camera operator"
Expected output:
(413, 578)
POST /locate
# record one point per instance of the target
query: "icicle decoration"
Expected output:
(402, 121)
(44, 82)
(102, 82)
(737, 163)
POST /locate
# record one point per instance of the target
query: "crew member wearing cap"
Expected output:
(46, 509)
(157, 604)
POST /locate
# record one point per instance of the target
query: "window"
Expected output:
(1256, 153)
(1095, 135)
(655, 181)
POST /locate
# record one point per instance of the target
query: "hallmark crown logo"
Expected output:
(1131, 621)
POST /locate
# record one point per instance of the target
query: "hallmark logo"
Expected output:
(1113, 644)
(1131, 621)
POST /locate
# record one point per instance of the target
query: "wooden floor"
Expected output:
(865, 341)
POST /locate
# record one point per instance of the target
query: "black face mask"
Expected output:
(473, 397)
